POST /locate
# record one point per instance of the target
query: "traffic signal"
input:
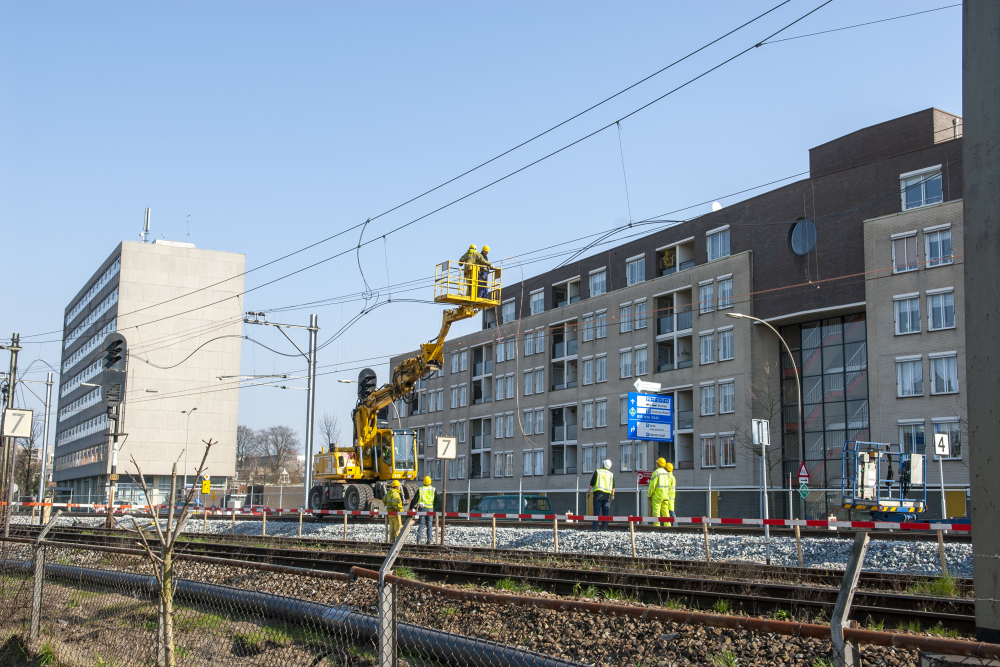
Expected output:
(113, 369)
(366, 383)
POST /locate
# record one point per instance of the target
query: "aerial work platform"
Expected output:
(463, 284)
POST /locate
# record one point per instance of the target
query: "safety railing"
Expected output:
(466, 284)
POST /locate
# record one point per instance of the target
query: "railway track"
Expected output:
(748, 588)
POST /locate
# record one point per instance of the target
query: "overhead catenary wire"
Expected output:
(858, 25)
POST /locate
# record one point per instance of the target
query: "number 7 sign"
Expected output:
(17, 423)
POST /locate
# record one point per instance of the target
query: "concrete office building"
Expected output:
(536, 397)
(180, 311)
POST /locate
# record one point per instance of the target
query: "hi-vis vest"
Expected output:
(660, 480)
(427, 496)
(394, 500)
(605, 481)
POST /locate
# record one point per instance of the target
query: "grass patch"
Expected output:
(721, 606)
(407, 573)
(516, 586)
(447, 611)
(943, 586)
(192, 621)
(823, 662)
(725, 659)
(76, 598)
(877, 627)
(182, 652)
(674, 603)
(618, 596)
(911, 626)
(942, 631)
(588, 592)
(780, 615)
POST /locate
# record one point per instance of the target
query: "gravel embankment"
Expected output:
(906, 557)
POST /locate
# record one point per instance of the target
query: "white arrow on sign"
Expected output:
(646, 386)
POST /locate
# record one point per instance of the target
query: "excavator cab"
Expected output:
(396, 454)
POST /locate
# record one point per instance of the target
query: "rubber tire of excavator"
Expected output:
(411, 491)
(316, 498)
(366, 496)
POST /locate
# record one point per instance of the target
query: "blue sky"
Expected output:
(275, 125)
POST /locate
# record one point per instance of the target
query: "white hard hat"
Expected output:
(607, 463)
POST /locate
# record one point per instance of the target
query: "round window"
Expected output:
(803, 236)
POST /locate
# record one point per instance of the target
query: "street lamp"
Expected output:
(798, 384)
(186, 438)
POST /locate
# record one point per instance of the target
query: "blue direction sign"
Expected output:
(650, 417)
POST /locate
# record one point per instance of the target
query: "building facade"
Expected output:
(179, 309)
(536, 398)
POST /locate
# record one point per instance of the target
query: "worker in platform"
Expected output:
(425, 503)
(662, 489)
(475, 267)
(394, 503)
(602, 484)
(484, 273)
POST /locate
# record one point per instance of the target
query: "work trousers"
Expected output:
(427, 522)
(660, 506)
(601, 508)
(395, 524)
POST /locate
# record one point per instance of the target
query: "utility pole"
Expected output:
(981, 177)
(7, 473)
(44, 449)
(313, 329)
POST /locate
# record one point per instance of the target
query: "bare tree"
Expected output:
(329, 427)
(28, 463)
(247, 451)
(278, 446)
(763, 401)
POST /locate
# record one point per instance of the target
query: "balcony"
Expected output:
(687, 265)
(480, 442)
(564, 349)
(480, 474)
(685, 364)
(664, 325)
(563, 432)
(685, 420)
(482, 368)
(683, 321)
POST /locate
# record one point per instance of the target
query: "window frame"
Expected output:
(706, 297)
(635, 270)
(941, 294)
(625, 318)
(943, 260)
(730, 334)
(722, 234)
(730, 386)
(724, 302)
(601, 324)
(898, 301)
(600, 278)
(901, 364)
(536, 297)
(924, 176)
(911, 264)
(708, 446)
(601, 413)
(508, 307)
(707, 390)
(600, 362)
(702, 336)
(939, 421)
(936, 358)
(625, 363)
(726, 444)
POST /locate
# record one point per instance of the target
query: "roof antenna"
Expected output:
(145, 228)
(189, 228)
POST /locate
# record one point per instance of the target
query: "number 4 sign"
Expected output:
(941, 445)
(17, 423)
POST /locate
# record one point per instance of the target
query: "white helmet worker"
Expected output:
(607, 463)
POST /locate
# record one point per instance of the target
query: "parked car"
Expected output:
(530, 504)
(257, 510)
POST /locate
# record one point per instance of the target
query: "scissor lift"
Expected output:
(883, 479)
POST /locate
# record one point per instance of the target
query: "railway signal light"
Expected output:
(366, 383)
(113, 369)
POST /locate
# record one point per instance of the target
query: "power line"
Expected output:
(858, 25)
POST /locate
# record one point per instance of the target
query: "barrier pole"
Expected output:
(234, 521)
(300, 522)
(263, 525)
(798, 543)
(631, 531)
(555, 532)
(204, 521)
(494, 533)
(944, 561)
(704, 532)
(345, 527)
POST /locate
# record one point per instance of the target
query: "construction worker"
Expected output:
(469, 262)
(662, 488)
(602, 484)
(425, 503)
(484, 273)
(394, 503)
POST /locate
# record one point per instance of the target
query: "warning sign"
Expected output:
(803, 474)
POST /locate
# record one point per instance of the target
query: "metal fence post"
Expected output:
(387, 602)
(844, 653)
(39, 578)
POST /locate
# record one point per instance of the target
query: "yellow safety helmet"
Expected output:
(472, 246)
(670, 466)
(661, 462)
(395, 483)
(486, 248)
(427, 481)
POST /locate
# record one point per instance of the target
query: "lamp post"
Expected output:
(798, 385)
(186, 438)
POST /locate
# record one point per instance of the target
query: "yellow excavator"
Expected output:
(357, 477)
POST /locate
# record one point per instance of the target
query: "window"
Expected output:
(539, 422)
(602, 324)
(639, 459)
(529, 344)
(598, 285)
(726, 352)
(625, 319)
(539, 380)
(498, 391)
(907, 313)
(718, 244)
(440, 401)
(708, 453)
(529, 383)
(602, 369)
(600, 454)
(507, 312)
(526, 427)
(451, 469)
(904, 254)
(625, 363)
(727, 444)
(588, 328)
(454, 362)
(941, 311)
(537, 302)
(461, 431)
(938, 247)
(727, 397)
(708, 400)
(508, 460)
(601, 414)
(588, 459)
(640, 315)
(952, 428)
(725, 293)
(706, 298)
(588, 415)
(911, 438)
(640, 361)
(510, 386)
(511, 348)
(921, 189)
(909, 378)
(526, 462)
(498, 465)
(625, 458)
(588, 371)
(636, 270)
(453, 430)
(539, 462)
(508, 426)
(707, 342)
(540, 341)
(462, 400)
(454, 397)
(463, 360)
(944, 374)
(461, 467)
(500, 349)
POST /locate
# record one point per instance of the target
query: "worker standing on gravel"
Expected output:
(425, 503)
(394, 503)
(662, 488)
(602, 484)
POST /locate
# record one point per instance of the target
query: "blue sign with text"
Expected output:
(650, 417)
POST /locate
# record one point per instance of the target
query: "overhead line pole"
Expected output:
(45, 438)
(7, 473)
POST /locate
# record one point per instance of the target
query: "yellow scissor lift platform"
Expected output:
(460, 284)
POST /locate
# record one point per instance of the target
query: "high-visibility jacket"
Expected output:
(605, 481)
(427, 494)
(394, 500)
(658, 482)
(474, 257)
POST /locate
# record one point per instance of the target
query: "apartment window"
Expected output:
(600, 454)
(507, 312)
(588, 328)
(453, 430)
(529, 382)
(907, 314)
(707, 343)
(461, 467)
(708, 400)
(600, 414)
(510, 386)
(625, 458)
(508, 426)
(537, 302)
(921, 189)
(588, 459)
(602, 369)
(588, 415)
(640, 361)
(526, 459)
(511, 348)
(500, 349)
(598, 284)
(508, 459)
(944, 374)
(454, 397)
(706, 298)
(725, 293)
(623, 410)
(539, 380)
(941, 311)
(708, 459)
(727, 397)
(909, 378)
(463, 360)
(726, 351)
(938, 247)
(529, 344)
(440, 401)
(498, 391)
(539, 462)
(540, 341)
(588, 371)
(727, 444)
(498, 465)
(636, 270)
(539, 422)
(454, 362)
(904, 253)
(625, 319)
(718, 244)
(640, 315)
(952, 428)
(461, 431)
(451, 469)
(626, 364)
(911, 438)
